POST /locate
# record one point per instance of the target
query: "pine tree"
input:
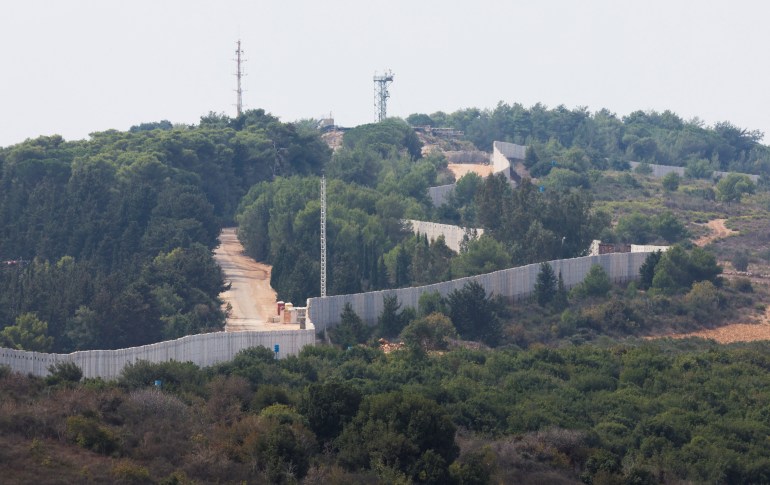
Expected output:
(560, 300)
(545, 286)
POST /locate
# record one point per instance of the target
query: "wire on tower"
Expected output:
(323, 235)
(381, 94)
(239, 74)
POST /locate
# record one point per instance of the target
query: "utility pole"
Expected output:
(239, 74)
(323, 235)
(381, 94)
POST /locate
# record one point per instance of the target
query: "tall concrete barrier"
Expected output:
(663, 170)
(453, 235)
(203, 350)
(502, 155)
(439, 195)
(513, 284)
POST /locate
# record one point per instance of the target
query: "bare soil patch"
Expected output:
(460, 169)
(718, 231)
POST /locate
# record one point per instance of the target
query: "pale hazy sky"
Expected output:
(75, 67)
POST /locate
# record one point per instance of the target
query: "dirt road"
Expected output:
(252, 299)
(718, 231)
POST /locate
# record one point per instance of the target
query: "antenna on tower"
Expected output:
(323, 235)
(381, 94)
(239, 74)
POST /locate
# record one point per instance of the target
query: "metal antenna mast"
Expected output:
(323, 235)
(239, 74)
(381, 94)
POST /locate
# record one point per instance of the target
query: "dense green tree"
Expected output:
(402, 430)
(328, 407)
(596, 283)
(474, 314)
(351, 330)
(428, 333)
(671, 181)
(647, 269)
(545, 285)
(733, 186)
(28, 333)
(391, 321)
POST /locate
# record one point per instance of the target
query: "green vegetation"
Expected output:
(115, 233)
(111, 240)
(667, 411)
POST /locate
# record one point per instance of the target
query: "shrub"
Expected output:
(741, 260)
(89, 434)
(743, 285)
(596, 283)
(64, 372)
(671, 181)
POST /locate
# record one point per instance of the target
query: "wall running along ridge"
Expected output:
(203, 350)
(502, 154)
(453, 235)
(663, 170)
(513, 284)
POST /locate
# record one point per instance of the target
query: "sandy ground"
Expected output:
(460, 169)
(252, 299)
(718, 231)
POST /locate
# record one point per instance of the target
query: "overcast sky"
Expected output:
(75, 67)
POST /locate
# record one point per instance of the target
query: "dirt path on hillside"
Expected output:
(252, 299)
(752, 328)
(718, 231)
(460, 169)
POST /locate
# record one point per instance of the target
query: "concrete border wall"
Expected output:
(503, 153)
(453, 235)
(513, 283)
(203, 350)
(439, 195)
(663, 170)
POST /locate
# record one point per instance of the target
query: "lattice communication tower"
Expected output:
(239, 74)
(323, 235)
(381, 94)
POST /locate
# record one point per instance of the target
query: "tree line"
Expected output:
(112, 236)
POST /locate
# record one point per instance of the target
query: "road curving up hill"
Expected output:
(252, 299)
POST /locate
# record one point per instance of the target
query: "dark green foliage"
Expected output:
(328, 407)
(401, 430)
(647, 269)
(89, 434)
(677, 269)
(391, 321)
(545, 285)
(596, 283)
(64, 372)
(670, 181)
(174, 376)
(560, 299)
(733, 187)
(351, 330)
(94, 216)
(431, 302)
(428, 333)
(474, 314)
